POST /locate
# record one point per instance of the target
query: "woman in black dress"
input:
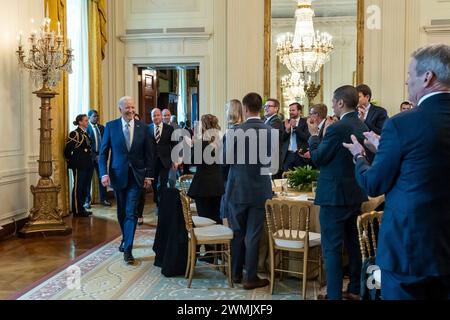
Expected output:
(207, 186)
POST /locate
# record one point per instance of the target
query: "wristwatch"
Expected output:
(356, 156)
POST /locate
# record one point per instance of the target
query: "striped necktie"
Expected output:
(157, 135)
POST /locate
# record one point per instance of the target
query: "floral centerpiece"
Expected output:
(301, 178)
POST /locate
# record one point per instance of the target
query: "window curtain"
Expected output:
(182, 95)
(57, 12)
(77, 31)
(97, 51)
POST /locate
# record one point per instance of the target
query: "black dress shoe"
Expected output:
(257, 283)
(106, 203)
(128, 258)
(237, 280)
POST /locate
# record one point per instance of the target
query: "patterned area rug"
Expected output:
(110, 213)
(104, 276)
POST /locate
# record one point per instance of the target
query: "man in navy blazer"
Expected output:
(95, 131)
(373, 116)
(247, 190)
(412, 169)
(338, 193)
(127, 142)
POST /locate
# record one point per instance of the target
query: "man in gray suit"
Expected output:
(248, 188)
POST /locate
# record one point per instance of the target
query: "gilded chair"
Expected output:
(217, 235)
(368, 225)
(288, 225)
(184, 183)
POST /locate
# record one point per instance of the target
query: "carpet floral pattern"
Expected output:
(103, 275)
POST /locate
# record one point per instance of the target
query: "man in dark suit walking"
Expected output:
(372, 115)
(95, 131)
(338, 193)
(130, 168)
(161, 139)
(295, 140)
(412, 169)
(248, 187)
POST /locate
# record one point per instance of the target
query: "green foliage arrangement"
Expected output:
(301, 178)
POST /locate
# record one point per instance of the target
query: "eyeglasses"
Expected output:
(267, 106)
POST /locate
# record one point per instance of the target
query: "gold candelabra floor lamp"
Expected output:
(46, 60)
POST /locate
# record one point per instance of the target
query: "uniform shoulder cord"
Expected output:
(76, 139)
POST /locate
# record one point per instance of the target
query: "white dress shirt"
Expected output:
(366, 112)
(430, 95)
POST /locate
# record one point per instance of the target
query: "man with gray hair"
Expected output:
(412, 169)
(130, 168)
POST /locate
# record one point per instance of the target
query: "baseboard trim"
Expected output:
(12, 228)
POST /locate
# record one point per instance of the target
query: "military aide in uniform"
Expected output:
(78, 154)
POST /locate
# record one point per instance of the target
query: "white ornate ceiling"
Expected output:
(322, 8)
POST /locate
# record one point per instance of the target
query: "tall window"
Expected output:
(77, 31)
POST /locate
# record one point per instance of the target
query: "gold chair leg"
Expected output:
(193, 259)
(272, 269)
(228, 254)
(305, 273)
(188, 260)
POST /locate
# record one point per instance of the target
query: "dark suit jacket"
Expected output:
(90, 132)
(412, 169)
(208, 180)
(139, 158)
(337, 185)
(163, 149)
(302, 135)
(275, 122)
(78, 150)
(246, 184)
(376, 118)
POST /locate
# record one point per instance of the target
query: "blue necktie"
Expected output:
(126, 133)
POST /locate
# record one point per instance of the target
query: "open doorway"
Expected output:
(173, 87)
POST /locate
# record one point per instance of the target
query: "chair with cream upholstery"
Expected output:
(288, 225)
(216, 234)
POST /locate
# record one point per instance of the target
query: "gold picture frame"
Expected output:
(359, 74)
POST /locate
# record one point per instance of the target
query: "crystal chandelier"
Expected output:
(47, 57)
(306, 51)
(293, 87)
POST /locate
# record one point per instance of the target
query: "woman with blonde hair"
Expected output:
(235, 115)
(207, 186)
